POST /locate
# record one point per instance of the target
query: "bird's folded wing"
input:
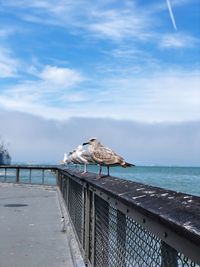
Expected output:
(106, 155)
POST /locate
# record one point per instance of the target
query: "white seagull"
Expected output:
(84, 157)
(65, 159)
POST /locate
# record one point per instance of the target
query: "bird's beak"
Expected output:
(85, 143)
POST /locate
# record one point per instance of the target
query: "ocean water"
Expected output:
(181, 179)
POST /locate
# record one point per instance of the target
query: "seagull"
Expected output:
(74, 157)
(84, 157)
(65, 159)
(104, 156)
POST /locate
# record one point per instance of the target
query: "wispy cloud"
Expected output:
(9, 65)
(42, 95)
(178, 40)
(120, 24)
(160, 96)
(99, 19)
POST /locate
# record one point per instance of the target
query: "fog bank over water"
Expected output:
(34, 139)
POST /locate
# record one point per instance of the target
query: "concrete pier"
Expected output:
(30, 227)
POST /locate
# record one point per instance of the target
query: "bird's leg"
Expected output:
(108, 168)
(99, 175)
(85, 168)
(100, 170)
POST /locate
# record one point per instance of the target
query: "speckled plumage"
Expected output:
(105, 156)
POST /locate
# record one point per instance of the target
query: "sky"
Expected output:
(131, 67)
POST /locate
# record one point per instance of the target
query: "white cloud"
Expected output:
(97, 19)
(43, 96)
(61, 76)
(101, 19)
(9, 65)
(158, 96)
(120, 24)
(178, 40)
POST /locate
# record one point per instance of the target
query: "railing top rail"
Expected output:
(179, 212)
(30, 166)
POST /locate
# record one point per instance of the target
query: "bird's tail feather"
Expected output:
(126, 164)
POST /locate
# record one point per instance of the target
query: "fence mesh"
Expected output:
(115, 239)
(76, 206)
(122, 242)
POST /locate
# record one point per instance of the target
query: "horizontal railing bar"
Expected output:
(73, 177)
(37, 167)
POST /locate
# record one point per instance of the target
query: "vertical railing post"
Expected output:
(61, 183)
(58, 177)
(67, 191)
(65, 188)
(87, 219)
(30, 176)
(83, 215)
(42, 176)
(102, 227)
(17, 175)
(5, 177)
(121, 239)
(92, 228)
(169, 256)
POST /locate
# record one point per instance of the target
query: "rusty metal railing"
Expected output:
(121, 223)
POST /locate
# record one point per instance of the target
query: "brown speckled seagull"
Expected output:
(104, 156)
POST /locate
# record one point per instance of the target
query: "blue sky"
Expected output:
(117, 59)
(131, 61)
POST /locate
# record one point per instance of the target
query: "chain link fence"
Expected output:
(110, 237)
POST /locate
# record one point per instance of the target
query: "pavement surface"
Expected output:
(30, 227)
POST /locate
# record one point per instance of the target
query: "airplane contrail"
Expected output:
(171, 14)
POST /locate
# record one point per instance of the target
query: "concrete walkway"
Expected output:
(30, 228)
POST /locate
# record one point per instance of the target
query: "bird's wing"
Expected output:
(106, 155)
(86, 155)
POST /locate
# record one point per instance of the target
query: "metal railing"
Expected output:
(28, 174)
(121, 223)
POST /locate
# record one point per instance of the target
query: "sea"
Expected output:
(180, 179)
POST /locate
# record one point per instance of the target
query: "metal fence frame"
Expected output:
(177, 247)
